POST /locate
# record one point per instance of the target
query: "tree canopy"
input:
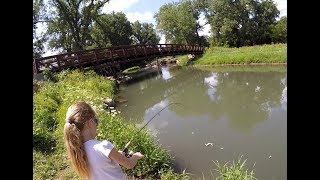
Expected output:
(233, 23)
(279, 31)
(239, 23)
(71, 24)
(144, 33)
(178, 22)
(112, 29)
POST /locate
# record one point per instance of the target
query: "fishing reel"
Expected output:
(126, 150)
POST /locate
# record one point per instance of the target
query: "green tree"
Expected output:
(39, 16)
(60, 36)
(279, 31)
(144, 33)
(237, 23)
(112, 29)
(38, 47)
(178, 22)
(70, 27)
(264, 18)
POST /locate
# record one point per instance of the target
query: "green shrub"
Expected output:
(169, 174)
(182, 60)
(48, 75)
(233, 171)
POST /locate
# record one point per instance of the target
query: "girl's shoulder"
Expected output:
(106, 143)
(99, 145)
(92, 142)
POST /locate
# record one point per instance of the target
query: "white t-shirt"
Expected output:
(101, 166)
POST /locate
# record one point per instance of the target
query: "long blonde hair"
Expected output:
(76, 116)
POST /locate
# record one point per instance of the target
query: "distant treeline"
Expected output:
(77, 25)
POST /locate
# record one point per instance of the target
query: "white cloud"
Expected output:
(282, 7)
(142, 17)
(162, 39)
(49, 52)
(206, 28)
(41, 28)
(118, 5)
(283, 12)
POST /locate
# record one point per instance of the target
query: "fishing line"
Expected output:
(125, 150)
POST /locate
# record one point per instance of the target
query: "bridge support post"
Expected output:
(157, 62)
(114, 72)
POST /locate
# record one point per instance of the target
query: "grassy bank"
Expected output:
(276, 53)
(50, 102)
(245, 68)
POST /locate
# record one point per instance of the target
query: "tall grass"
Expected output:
(173, 176)
(234, 171)
(50, 104)
(182, 60)
(275, 53)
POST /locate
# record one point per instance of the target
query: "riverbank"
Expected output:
(223, 56)
(261, 67)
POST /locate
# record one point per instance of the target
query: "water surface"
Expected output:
(241, 111)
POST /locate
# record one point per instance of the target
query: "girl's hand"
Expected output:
(121, 152)
(138, 155)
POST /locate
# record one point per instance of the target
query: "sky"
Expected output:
(144, 10)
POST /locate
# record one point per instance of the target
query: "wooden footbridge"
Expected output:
(112, 59)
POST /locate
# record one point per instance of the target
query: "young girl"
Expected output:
(91, 158)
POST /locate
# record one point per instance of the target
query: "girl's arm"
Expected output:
(121, 159)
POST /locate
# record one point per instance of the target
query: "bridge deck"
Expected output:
(112, 56)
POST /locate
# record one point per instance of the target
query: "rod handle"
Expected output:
(126, 150)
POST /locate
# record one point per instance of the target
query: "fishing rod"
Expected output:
(125, 150)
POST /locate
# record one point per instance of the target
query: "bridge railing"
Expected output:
(85, 58)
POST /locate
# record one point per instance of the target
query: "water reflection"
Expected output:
(165, 72)
(212, 82)
(244, 98)
(156, 125)
(242, 111)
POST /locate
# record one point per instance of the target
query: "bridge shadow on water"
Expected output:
(140, 76)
